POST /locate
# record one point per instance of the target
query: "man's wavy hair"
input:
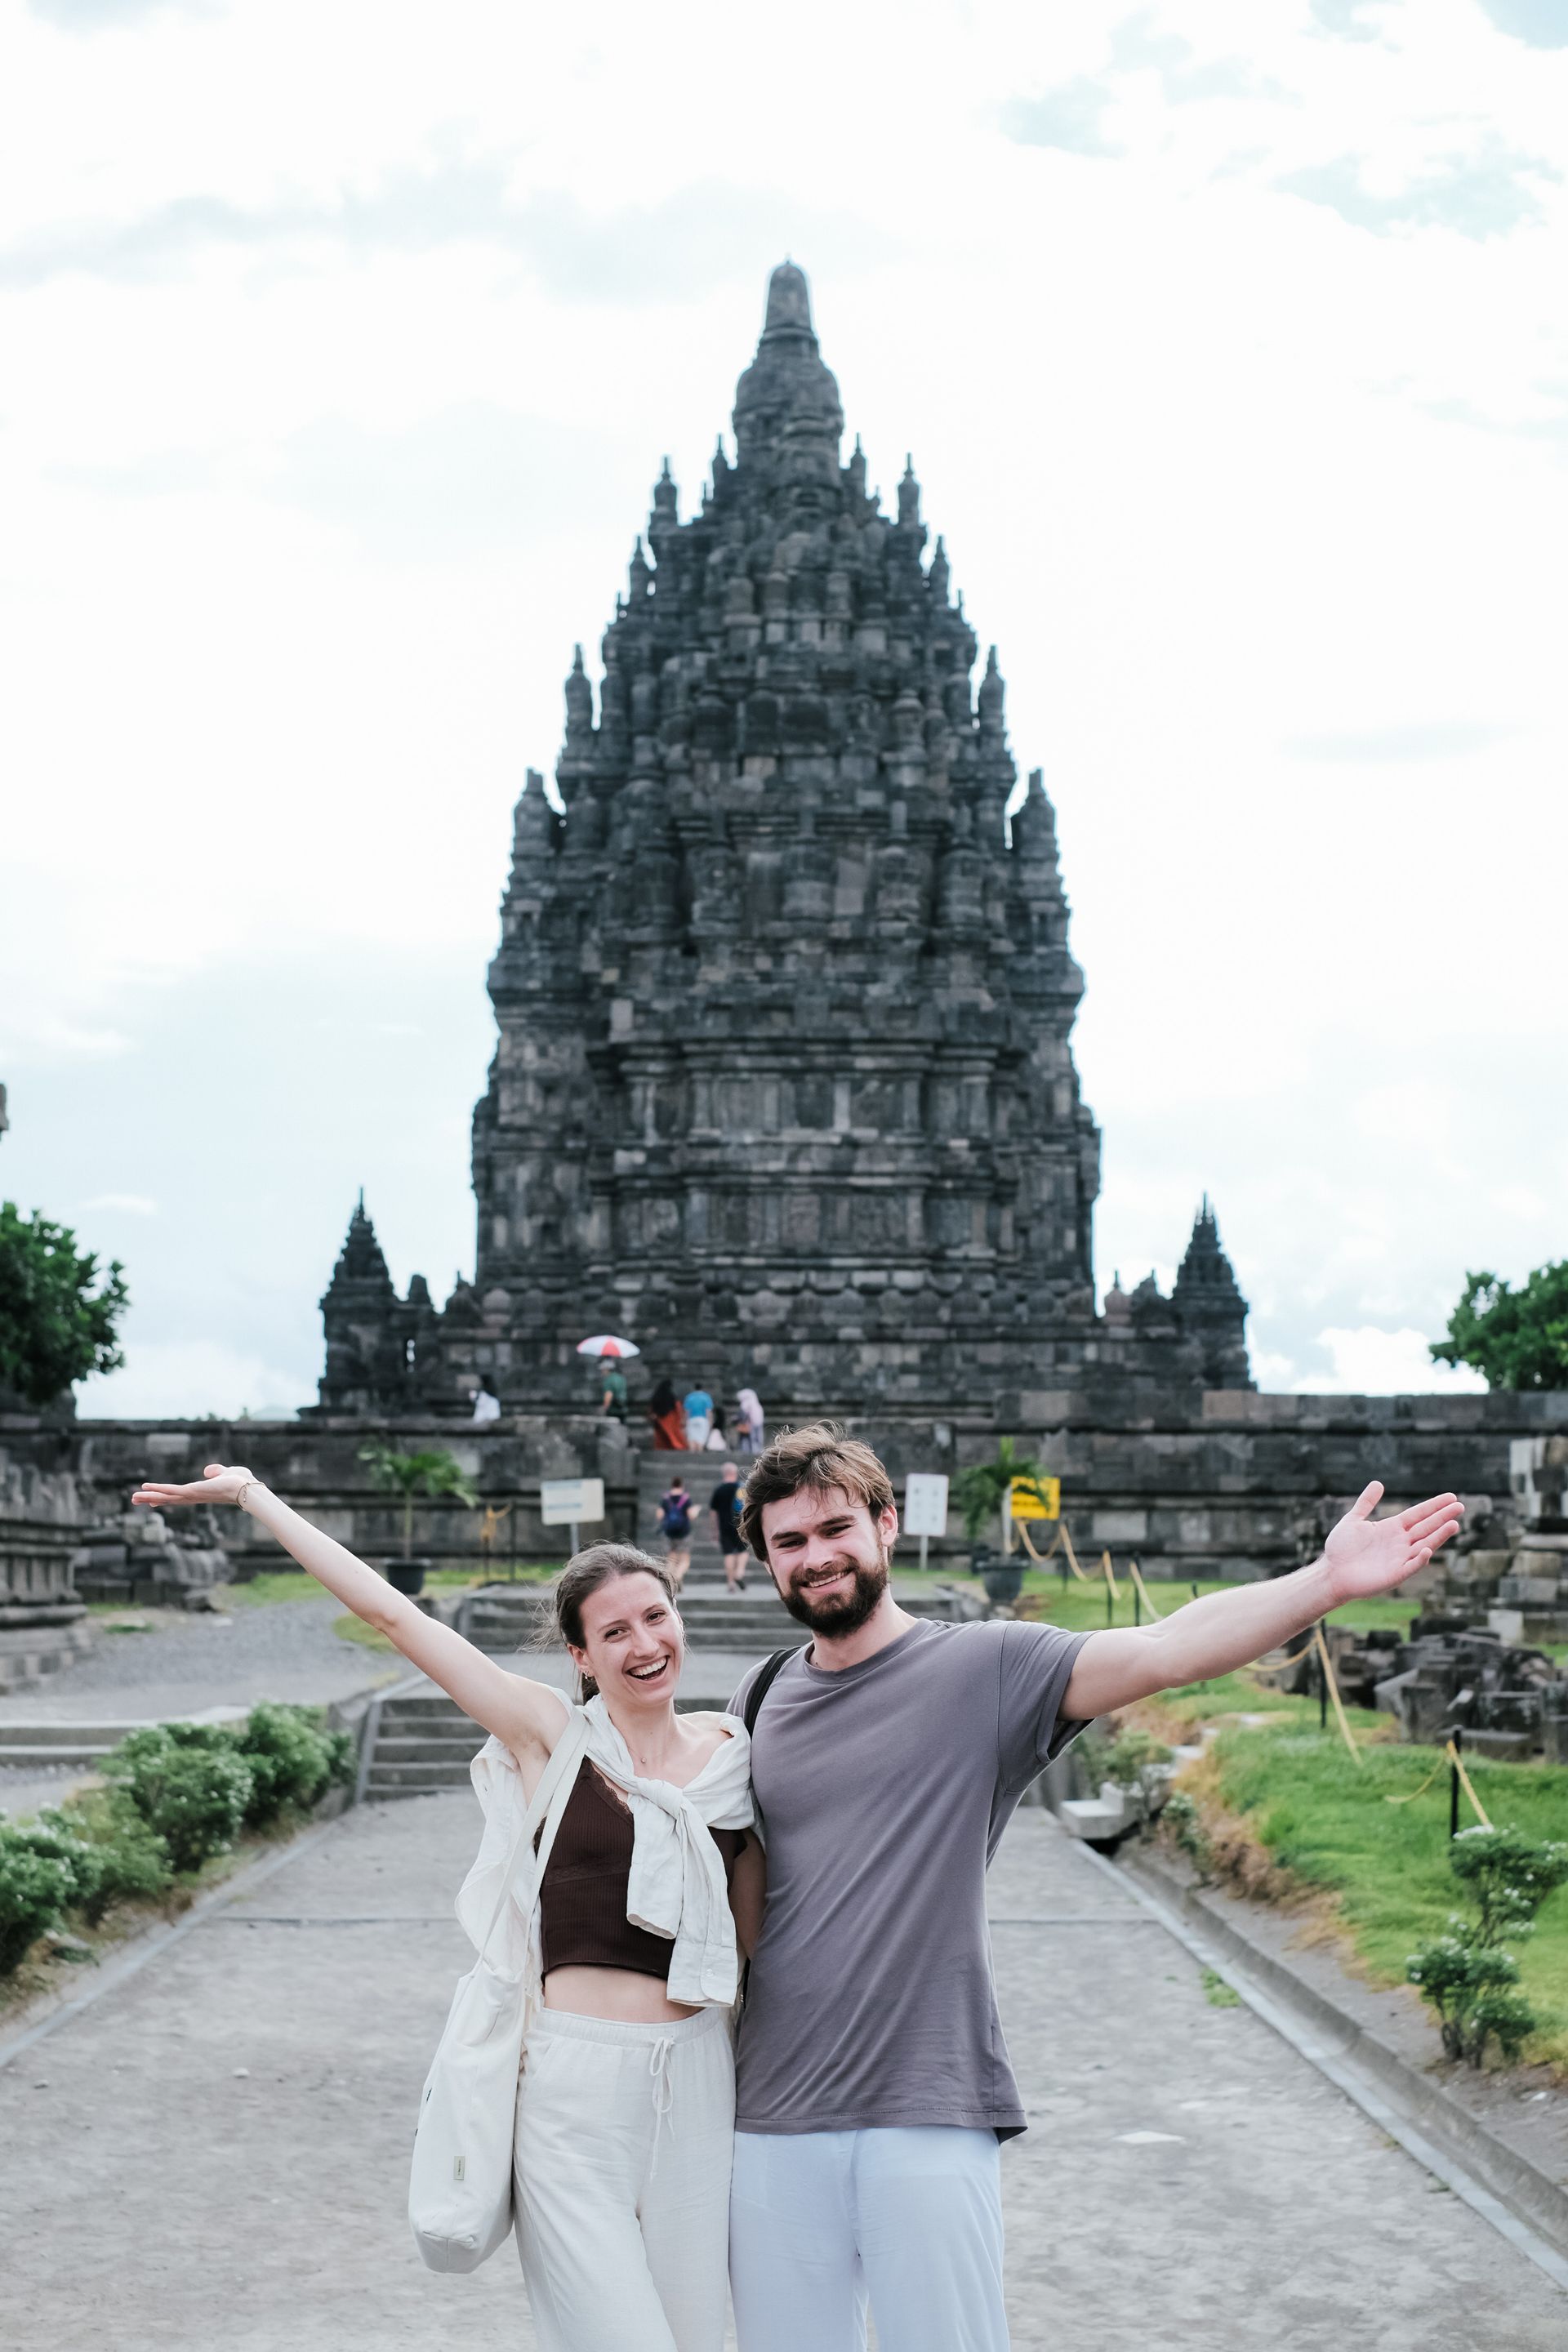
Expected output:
(821, 1459)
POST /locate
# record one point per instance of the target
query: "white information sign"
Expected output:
(925, 1503)
(571, 1502)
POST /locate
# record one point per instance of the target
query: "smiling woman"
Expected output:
(621, 1946)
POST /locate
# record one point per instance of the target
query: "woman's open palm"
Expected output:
(218, 1485)
(1366, 1555)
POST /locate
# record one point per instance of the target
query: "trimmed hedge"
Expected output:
(177, 1794)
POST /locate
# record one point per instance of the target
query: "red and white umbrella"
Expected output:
(605, 1343)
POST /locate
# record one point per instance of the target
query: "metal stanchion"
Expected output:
(1322, 1680)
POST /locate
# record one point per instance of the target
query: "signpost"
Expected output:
(1037, 1499)
(571, 1503)
(1029, 1498)
(925, 1507)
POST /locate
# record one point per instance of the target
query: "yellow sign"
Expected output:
(1037, 1499)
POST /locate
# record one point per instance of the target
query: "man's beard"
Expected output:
(844, 1613)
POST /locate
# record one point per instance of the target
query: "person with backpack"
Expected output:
(673, 1511)
(609, 1958)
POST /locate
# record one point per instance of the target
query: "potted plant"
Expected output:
(981, 1490)
(407, 1475)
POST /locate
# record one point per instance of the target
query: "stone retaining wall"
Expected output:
(1222, 1482)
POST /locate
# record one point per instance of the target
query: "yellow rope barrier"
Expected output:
(1334, 1693)
(1082, 1574)
(1111, 1578)
(1450, 1755)
(1458, 1761)
(1039, 1558)
(1157, 1614)
(1425, 1784)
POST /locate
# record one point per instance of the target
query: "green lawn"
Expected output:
(293, 1584)
(1326, 1820)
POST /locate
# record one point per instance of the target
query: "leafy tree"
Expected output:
(981, 1489)
(408, 1474)
(58, 1310)
(1517, 1339)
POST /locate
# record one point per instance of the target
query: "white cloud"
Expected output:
(1375, 1363)
(130, 1204)
(1484, 192)
(179, 1378)
(333, 401)
(1540, 23)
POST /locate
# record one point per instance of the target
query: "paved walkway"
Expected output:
(215, 2153)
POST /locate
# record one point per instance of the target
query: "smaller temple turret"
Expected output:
(372, 1337)
(1209, 1308)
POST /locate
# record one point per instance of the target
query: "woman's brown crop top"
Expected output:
(583, 1917)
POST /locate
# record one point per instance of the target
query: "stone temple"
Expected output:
(784, 1087)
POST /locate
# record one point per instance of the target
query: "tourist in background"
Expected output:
(668, 1418)
(673, 1511)
(624, 2120)
(725, 1503)
(749, 1425)
(716, 1439)
(699, 1417)
(612, 1383)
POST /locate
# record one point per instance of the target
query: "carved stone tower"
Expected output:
(783, 1088)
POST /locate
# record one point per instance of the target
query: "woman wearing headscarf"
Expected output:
(668, 1415)
(748, 1427)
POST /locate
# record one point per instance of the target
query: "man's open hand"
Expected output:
(1364, 1555)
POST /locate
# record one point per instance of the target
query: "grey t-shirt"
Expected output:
(884, 1789)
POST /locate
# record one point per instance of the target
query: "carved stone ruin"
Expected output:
(784, 1087)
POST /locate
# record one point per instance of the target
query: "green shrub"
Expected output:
(191, 1790)
(36, 1889)
(130, 1862)
(1467, 1975)
(292, 1761)
(57, 1839)
(1182, 1822)
(1508, 1877)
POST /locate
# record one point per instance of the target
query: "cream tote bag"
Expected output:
(459, 2190)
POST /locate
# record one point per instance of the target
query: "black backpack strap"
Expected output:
(767, 1675)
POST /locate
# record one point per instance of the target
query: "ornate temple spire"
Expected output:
(360, 1266)
(1209, 1306)
(787, 381)
(908, 493)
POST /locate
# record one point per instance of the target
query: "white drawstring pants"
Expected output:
(910, 2217)
(624, 2141)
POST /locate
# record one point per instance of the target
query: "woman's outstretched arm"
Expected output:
(524, 1714)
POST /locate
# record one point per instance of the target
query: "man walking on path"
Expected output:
(887, 1758)
(725, 1503)
(698, 1407)
(673, 1511)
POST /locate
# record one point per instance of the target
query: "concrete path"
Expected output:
(1189, 2185)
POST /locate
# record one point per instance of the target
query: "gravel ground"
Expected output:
(216, 2151)
(280, 1648)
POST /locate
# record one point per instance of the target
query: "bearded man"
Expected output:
(887, 1759)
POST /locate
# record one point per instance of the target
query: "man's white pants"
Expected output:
(910, 2218)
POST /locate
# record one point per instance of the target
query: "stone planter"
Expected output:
(1004, 1581)
(405, 1575)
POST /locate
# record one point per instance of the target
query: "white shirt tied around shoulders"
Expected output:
(677, 1887)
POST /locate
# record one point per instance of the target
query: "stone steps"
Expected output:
(82, 1743)
(423, 1744)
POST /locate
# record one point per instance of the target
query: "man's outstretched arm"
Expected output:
(1363, 1556)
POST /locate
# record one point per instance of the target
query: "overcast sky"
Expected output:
(342, 346)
